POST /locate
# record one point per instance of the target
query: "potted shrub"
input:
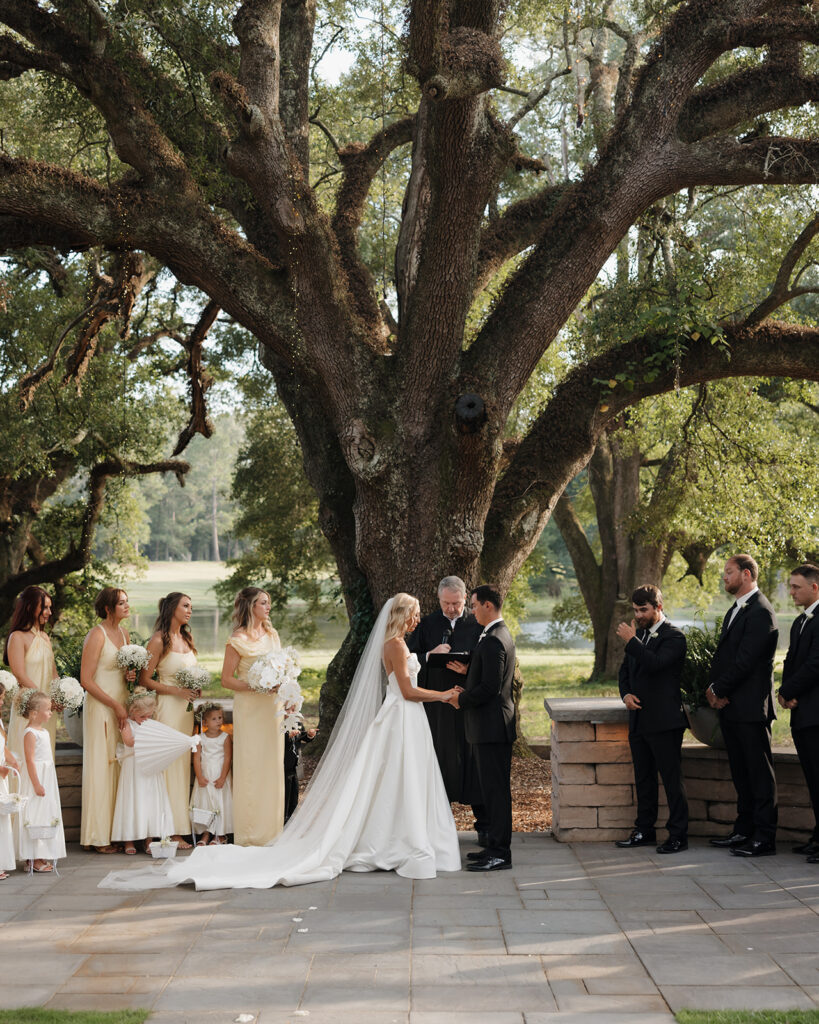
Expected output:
(703, 720)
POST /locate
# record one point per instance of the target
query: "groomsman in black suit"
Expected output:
(650, 689)
(449, 628)
(489, 721)
(742, 689)
(800, 689)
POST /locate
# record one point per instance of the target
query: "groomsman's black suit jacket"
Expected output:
(488, 707)
(742, 668)
(800, 674)
(651, 671)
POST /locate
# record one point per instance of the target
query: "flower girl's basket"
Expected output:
(12, 803)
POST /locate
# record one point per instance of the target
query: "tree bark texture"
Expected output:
(402, 421)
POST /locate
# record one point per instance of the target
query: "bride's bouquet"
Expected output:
(193, 678)
(132, 656)
(67, 694)
(278, 671)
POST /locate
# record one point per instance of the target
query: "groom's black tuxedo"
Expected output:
(800, 682)
(489, 723)
(742, 671)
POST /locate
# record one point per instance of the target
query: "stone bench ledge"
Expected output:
(586, 709)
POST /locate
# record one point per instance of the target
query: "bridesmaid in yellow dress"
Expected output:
(171, 648)
(258, 742)
(103, 716)
(29, 655)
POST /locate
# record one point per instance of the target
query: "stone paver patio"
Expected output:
(572, 935)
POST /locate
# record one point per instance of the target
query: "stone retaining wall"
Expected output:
(593, 796)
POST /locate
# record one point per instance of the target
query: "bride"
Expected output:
(376, 800)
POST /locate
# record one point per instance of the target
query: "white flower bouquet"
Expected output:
(193, 678)
(278, 671)
(67, 694)
(132, 656)
(9, 681)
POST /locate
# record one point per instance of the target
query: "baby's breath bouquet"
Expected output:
(67, 694)
(278, 671)
(132, 656)
(193, 678)
(9, 681)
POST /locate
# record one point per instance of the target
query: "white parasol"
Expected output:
(156, 746)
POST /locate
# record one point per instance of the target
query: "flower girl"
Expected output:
(211, 765)
(8, 859)
(142, 810)
(42, 814)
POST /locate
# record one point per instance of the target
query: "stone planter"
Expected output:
(704, 724)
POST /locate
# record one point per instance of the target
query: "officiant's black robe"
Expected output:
(445, 723)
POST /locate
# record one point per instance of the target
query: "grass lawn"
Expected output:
(32, 1016)
(194, 578)
(748, 1017)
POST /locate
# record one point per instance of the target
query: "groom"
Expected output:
(489, 721)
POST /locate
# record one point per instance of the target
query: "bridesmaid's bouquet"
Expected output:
(67, 694)
(193, 678)
(278, 671)
(132, 656)
(9, 682)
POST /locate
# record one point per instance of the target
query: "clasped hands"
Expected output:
(451, 696)
(718, 703)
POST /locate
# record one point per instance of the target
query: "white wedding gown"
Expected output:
(388, 811)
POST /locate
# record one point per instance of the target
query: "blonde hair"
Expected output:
(141, 700)
(403, 606)
(243, 609)
(28, 699)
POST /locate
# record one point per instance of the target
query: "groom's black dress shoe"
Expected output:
(735, 839)
(755, 848)
(809, 849)
(673, 846)
(636, 838)
(490, 864)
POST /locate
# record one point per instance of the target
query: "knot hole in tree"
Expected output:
(470, 413)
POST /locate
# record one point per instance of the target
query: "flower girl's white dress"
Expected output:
(212, 754)
(142, 809)
(7, 857)
(41, 810)
(389, 811)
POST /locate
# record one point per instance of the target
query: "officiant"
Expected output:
(449, 629)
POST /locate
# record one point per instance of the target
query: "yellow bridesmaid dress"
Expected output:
(39, 663)
(258, 752)
(171, 711)
(100, 735)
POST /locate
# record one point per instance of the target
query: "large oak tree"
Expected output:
(401, 412)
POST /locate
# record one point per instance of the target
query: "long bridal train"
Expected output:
(376, 802)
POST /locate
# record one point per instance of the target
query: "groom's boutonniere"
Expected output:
(809, 615)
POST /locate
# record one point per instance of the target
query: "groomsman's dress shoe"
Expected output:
(673, 846)
(490, 864)
(636, 838)
(808, 849)
(755, 848)
(735, 839)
